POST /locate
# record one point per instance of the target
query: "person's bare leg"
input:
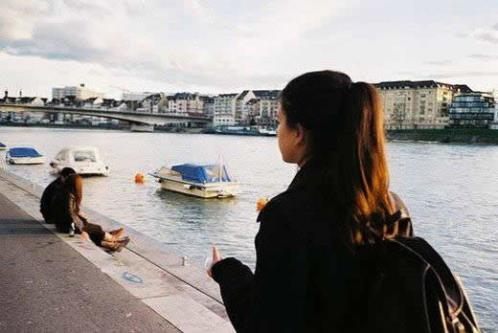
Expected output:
(85, 236)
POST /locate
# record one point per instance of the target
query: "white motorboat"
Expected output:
(24, 155)
(84, 160)
(268, 132)
(202, 181)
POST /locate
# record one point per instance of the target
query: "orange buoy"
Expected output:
(139, 178)
(261, 203)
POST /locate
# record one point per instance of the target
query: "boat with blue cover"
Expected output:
(2, 146)
(24, 155)
(198, 180)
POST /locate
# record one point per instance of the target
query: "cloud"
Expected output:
(438, 62)
(222, 45)
(462, 74)
(176, 42)
(489, 35)
(483, 56)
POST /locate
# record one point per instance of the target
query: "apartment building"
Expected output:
(184, 103)
(207, 106)
(417, 104)
(135, 96)
(224, 109)
(472, 110)
(155, 103)
(253, 111)
(268, 107)
(241, 112)
(79, 93)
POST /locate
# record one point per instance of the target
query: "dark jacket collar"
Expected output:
(306, 174)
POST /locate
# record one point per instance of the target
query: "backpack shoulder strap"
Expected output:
(400, 205)
(400, 223)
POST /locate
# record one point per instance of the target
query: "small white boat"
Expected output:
(268, 132)
(202, 181)
(84, 160)
(24, 155)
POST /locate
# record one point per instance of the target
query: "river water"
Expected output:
(451, 191)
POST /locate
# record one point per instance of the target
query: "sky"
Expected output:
(223, 46)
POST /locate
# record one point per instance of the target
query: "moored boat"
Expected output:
(241, 130)
(2, 146)
(84, 160)
(237, 130)
(202, 181)
(24, 155)
(268, 131)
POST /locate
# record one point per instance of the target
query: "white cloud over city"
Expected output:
(223, 46)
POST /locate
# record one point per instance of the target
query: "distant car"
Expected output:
(84, 160)
(24, 155)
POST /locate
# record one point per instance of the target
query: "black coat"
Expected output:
(306, 277)
(61, 207)
(47, 197)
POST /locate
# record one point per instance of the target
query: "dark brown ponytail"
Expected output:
(74, 184)
(344, 123)
(363, 165)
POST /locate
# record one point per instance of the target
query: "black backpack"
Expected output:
(411, 289)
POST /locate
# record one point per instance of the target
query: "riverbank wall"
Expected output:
(165, 129)
(448, 135)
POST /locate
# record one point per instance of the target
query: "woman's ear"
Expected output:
(300, 135)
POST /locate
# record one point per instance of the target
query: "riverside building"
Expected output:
(241, 110)
(268, 107)
(136, 96)
(224, 109)
(472, 110)
(207, 106)
(78, 93)
(185, 103)
(246, 108)
(417, 104)
(155, 103)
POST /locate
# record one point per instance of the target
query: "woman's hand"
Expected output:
(216, 257)
(261, 203)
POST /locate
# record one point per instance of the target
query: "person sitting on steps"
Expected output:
(67, 214)
(50, 192)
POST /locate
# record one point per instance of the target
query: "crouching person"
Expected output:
(68, 218)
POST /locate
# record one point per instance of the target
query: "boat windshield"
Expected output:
(216, 173)
(84, 156)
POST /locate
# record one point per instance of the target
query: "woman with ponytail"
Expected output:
(308, 275)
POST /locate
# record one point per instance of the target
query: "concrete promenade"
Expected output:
(47, 286)
(50, 282)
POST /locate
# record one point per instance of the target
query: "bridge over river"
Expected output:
(140, 121)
